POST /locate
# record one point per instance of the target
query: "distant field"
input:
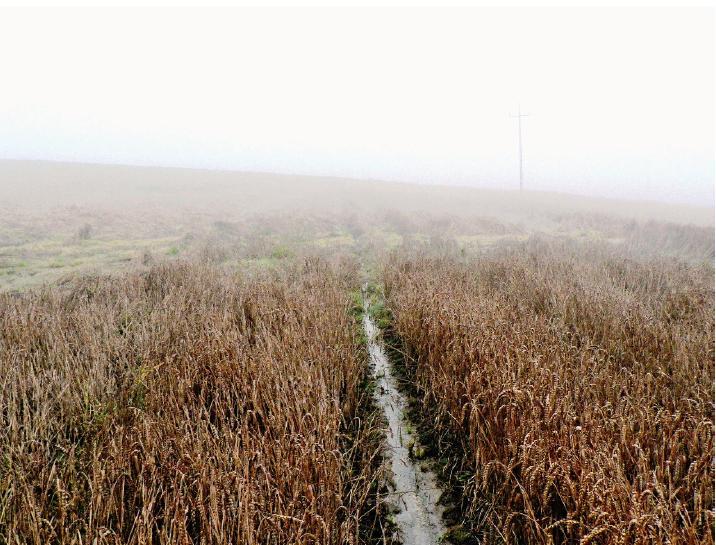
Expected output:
(58, 219)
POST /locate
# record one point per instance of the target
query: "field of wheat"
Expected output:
(183, 405)
(203, 398)
(577, 380)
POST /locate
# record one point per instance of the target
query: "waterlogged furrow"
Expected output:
(415, 491)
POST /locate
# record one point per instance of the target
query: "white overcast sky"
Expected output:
(621, 100)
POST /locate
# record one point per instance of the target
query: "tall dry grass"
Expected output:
(578, 383)
(183, 405)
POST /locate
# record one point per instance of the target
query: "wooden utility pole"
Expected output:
(519, 117)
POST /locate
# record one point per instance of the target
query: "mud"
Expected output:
(414, 492)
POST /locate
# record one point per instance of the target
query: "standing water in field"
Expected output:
(415, 491)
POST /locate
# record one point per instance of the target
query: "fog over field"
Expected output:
(62, 218)
(620, 101)
(42, 185)
(357, 276)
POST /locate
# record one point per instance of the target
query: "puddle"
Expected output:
(415, 491)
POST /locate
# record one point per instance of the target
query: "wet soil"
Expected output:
(414, 491)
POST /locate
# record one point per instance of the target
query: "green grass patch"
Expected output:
(281, 252)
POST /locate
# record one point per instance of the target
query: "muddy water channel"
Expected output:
(414, 491)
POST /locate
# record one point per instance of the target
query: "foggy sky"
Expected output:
(621, 101)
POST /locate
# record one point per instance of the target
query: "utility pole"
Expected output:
(519, 117)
